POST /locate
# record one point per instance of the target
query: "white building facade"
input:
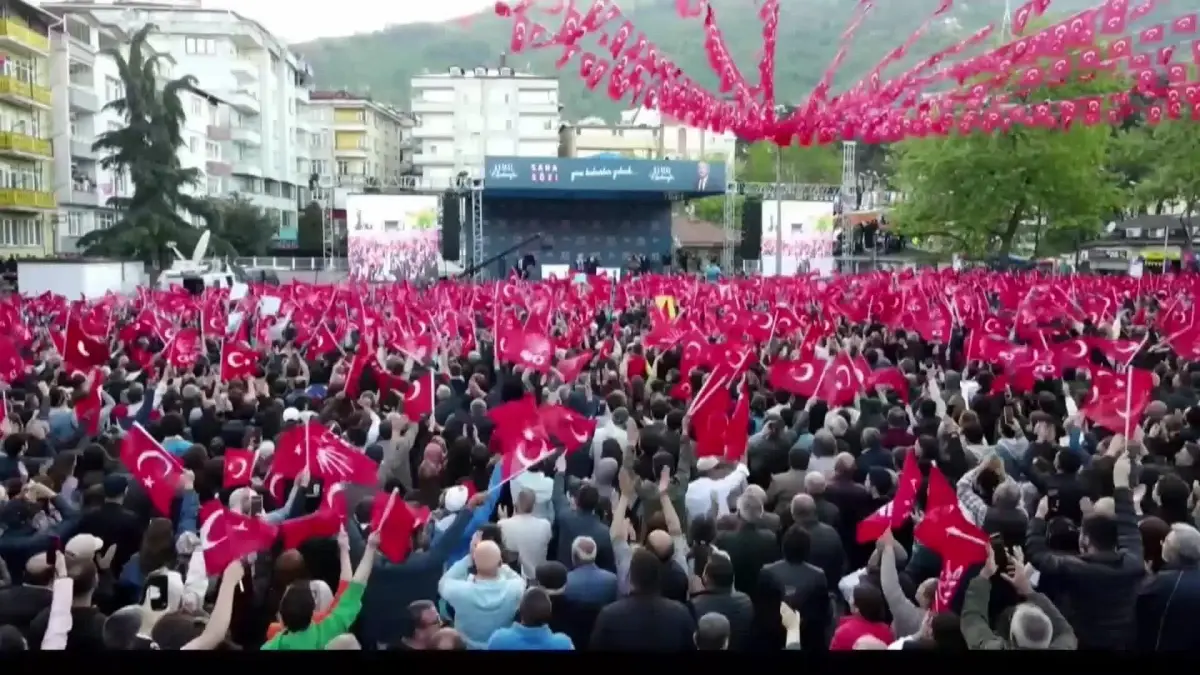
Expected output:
(647, 134)
(467, 114)
(242, 136)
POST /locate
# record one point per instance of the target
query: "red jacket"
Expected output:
(852, 627)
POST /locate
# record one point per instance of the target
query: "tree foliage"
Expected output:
(147, 150)
(1168, 173)
(240, 227)
(310, 235)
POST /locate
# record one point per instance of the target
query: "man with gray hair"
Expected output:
(588, 584)
(824, 450)
(1170, 599)
(750, 546)
(814, 486)
(526, 533)
(1036, 622)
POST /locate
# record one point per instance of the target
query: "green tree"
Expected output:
(1170, 172)
(310, 233)
(975, 193)
(146, 149)
(820, 164)
(241, 227)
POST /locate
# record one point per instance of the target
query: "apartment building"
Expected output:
(646, 134)
(26, 175)
(355, 139)
(465, 114)
(260, 89)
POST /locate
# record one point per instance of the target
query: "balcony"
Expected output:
(420, 106)
(218, 132)
(245, 102)
(246, 167)
(15, 34)
(85, 197)
(217, 167)
(28, 147)
(83, 149)
(302, 94)
(24, 93)
(243, 72)
(425, 131)
(246, 136)
(31, 200)
(84, 99)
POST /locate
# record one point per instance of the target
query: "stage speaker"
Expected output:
(751, 247)
(451, 226)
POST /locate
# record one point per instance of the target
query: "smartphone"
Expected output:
(256, 505)
(156, 592)
(999, 552)
(1008, 414)
(52, 552)
(1052, 494)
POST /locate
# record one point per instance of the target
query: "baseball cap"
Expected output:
(84, 546)
(114, 486)
(291, 415)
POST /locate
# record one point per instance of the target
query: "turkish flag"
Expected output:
(12, 366)
(324, 522)
(891, 378)
(570, 369)
(418, 400)
(838, 384)
(322, 343)
(737, 433)
(157, 470)
(82, 351)
(796, 377)
(88, 408)
(226, 536)
(893, 514)
(237, 361)
(521, 435)
(1117, 402)
(238, 466)
(569, 427)
(395, 521)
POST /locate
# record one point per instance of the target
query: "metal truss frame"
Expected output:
(806, 192)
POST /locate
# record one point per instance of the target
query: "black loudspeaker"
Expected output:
(751, 248)
(194, 285)
(451, 226)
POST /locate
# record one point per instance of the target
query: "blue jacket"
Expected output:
(481, 606)
(591, 585)
(19, 544)
(524, 638)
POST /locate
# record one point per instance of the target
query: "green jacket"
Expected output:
(979, 634)
(316, 636)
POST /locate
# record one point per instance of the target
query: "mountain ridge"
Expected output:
(382, 63)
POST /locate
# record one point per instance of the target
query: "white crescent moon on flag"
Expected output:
(82, 349)
(806, 372)
(1082, 349)
(153, 454)
(273, 482)
(236, 360)
(237, 466)
(207, 542)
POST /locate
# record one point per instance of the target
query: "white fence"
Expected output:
(295, 264)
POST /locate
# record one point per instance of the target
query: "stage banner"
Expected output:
(392, 237)
(603, 174)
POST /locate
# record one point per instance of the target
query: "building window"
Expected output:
(113, 89)
(74, 224)
(197, 107)
(343, 167)
(105, 220)
(214, 185)
(74, 128)
(203, 46)
(194, 144)
(319, 168)
(21, 233)
(361, 117)
(212, 150)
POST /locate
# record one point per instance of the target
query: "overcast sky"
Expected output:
(300, 20)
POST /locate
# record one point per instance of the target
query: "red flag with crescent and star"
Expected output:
(237, 360)
(238, 467)
(155, 469)
(226, 536)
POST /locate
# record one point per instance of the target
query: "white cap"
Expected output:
(291, 415)
(455, 498)
(84, 546)
(265, 450)
(707, 463)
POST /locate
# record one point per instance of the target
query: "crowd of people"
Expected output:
(927, 460)
(386, 257)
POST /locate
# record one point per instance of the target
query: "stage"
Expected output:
(563, 210)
